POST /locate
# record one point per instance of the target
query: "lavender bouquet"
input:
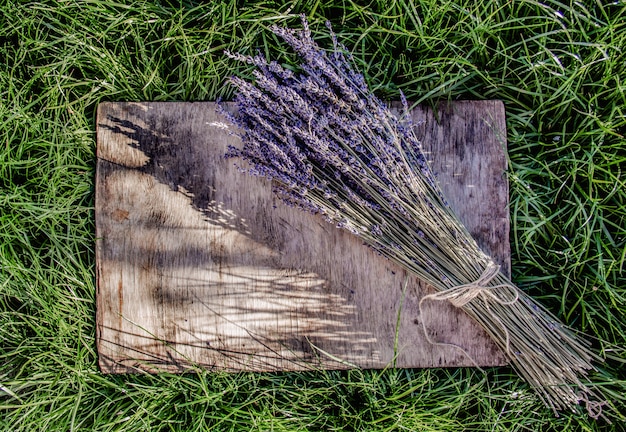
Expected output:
(333, 148)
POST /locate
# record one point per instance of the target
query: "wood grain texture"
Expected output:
(199, 265)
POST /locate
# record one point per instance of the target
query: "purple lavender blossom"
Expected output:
(333, 148)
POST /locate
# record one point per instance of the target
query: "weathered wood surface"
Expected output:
(198, 265)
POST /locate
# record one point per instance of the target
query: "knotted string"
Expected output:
(461, 295)
(594, 408)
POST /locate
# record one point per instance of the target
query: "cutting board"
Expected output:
(199, 266)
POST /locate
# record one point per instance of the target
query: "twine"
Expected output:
(594, 408)
(461, 295)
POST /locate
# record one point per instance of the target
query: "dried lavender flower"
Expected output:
(331, 147)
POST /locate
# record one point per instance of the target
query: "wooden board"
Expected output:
(199, 265)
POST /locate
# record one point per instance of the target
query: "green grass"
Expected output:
(559, 67)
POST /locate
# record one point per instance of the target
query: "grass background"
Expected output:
(560, 69)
